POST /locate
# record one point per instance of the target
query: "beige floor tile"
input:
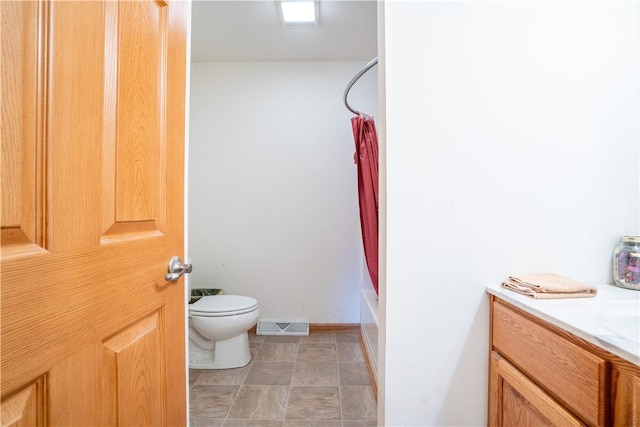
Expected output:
(349, 352)
(311, 423)
(353, 338)
(260, 403)
(318, 338)
(212, 391)
(207, 422)
(211, 401)
(320, 380)
(223, 376)
(254, 347)
(313, 403)
(194, 374)
(270, 373)
(252, 423)
(291, 339)
(359, 423)
(253, 338)
(319, 352)
(358, 403)
(277, 352)
(317, 374)
(353, 373)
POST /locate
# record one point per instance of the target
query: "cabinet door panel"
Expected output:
(571, 374)
(625, 390)
(518, 411)
(516, 401)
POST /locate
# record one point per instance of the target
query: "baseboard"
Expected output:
(328, 328)
(334, 328)
(374, 384)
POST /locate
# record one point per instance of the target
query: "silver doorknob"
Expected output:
(176, 269)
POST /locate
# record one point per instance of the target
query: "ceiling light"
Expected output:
(299, 12)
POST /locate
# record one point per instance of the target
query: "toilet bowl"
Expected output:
(218, 328)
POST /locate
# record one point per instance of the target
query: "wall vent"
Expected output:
(283, 327)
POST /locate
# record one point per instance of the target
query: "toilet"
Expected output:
(218, 326)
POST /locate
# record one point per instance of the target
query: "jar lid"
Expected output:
(630, 239)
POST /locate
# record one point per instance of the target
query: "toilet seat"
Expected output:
(222, 305)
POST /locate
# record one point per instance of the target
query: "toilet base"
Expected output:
(231, 353)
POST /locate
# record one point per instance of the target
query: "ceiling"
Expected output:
(246, 30)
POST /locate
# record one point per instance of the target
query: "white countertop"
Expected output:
(610, 320)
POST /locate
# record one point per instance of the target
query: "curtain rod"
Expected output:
(366, 68)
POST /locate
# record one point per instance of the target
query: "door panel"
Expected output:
(625, 396)
(136, 371)
(75, 110)
(21, 168)
(92, 211)
(140, 53)
(518, 411)
(514, 400)
(26, 407)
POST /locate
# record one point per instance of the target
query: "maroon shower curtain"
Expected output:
(366, 157)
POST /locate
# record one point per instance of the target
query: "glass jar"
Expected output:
(626, 263)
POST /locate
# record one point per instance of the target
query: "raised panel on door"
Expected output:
(117, 381)
(25, 407)
(135, 152)
(89, 311)
(135, 367)
(21, 167)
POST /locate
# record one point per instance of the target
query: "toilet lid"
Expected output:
(223, 305)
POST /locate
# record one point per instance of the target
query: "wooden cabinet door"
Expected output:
(92, 166)
(514, 400)
(625, 395)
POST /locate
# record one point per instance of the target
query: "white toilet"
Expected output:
(218, 326)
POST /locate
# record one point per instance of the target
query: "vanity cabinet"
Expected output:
(540, 374)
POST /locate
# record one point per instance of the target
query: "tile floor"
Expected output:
(320, 380)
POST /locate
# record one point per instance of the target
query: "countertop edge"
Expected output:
(531, 306)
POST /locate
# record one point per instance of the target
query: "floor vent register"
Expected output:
(283, 327)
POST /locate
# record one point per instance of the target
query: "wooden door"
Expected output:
(514, 400)
(93, 113)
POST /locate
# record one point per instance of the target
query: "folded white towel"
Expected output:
(548, 285)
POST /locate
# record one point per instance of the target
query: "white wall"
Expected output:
(512, 146)
(273, 210)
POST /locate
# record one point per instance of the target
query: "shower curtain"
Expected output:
(366, 158)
